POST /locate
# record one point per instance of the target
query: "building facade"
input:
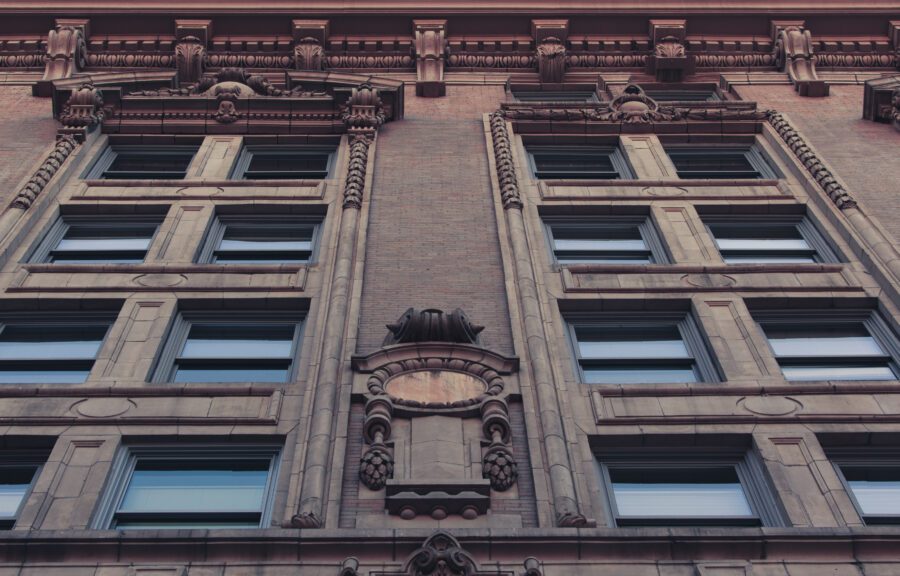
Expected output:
(376, 289)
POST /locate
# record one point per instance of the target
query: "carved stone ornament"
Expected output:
(794, 55)
(669, 47)
(190, 55)
(83, 109)
(309, 54)
(231, 80)
(441, 555)
(51, 165)
(551, 58)
(810, 160)
(376, 466)
(503, 157)
(430, 50)
(432, 326)
(66, 52)
(364, 112)
(356, 171)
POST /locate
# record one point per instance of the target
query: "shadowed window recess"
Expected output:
(261, 240)
(605, 241)
(191, 488)
(230, 349)
(769, 240)
(634, 351)
(17, 476)
(156, 162)
(50, 352)
(283, 163)
(119, 239)
(722, 162)
(578, 163)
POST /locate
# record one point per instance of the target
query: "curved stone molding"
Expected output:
(51, 165)
(506, 168)
(822, 175)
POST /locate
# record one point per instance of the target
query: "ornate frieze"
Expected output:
(42, 176)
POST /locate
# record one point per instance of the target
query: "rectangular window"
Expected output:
(605, 241)
(260, 240)
(676, 95)
(769, 240)
(283, 163)
(36, 352)
(692, 490)
(629, 351)
(831, 347)
(555, 96)
(156, 162)
(91, 240)
(191, 488)
(723, 162)
(17, 477)
(248, 348)
(578, 162)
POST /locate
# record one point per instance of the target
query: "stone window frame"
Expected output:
(873, 322)
(98, 168)
(49, 320)
(127, 456)
(165, 365)
(688, 327)
(825, 253)
(644, 223)
(41, 252)
(219, 223)
(753, 153)
(245, 156)
(864, 457)
(749, 467)
(25, 458)
(617, 157)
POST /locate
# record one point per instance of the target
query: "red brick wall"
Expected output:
(27, 129)
(432, 239)
(866, 155)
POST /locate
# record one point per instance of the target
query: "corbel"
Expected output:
(431, 51)
(894, 35)
(66, 53)
(499, 465)
(550, 38)
(794, 55)
(82, 112)
(191, 39)
(310, 37)
(669, 61)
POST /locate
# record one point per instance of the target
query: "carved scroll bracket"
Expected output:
(66, 54)
(550, 38)
(431, 52)
(192, 37)
(310, 37)
(794, 55)
(669, 61)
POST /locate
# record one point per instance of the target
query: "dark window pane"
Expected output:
(237, 341)
(548, 96)
(574, 162)
(50, 342)
(104, 243)
(14, 485)
(713, 164)
(625, 342)
(261, 162)
(822, 340)
(276, 243)
(150, 162)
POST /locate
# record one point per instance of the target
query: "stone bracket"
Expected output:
(794, 55)
(66, 53)
(310, 37)
(431, 50)
(550, 38)
(192, 37)
(669, 61)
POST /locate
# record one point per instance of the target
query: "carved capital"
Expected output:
(793, 53)
(363, 112)
(431, 50)
(83, 109)
(42, 176)
(309, 54)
